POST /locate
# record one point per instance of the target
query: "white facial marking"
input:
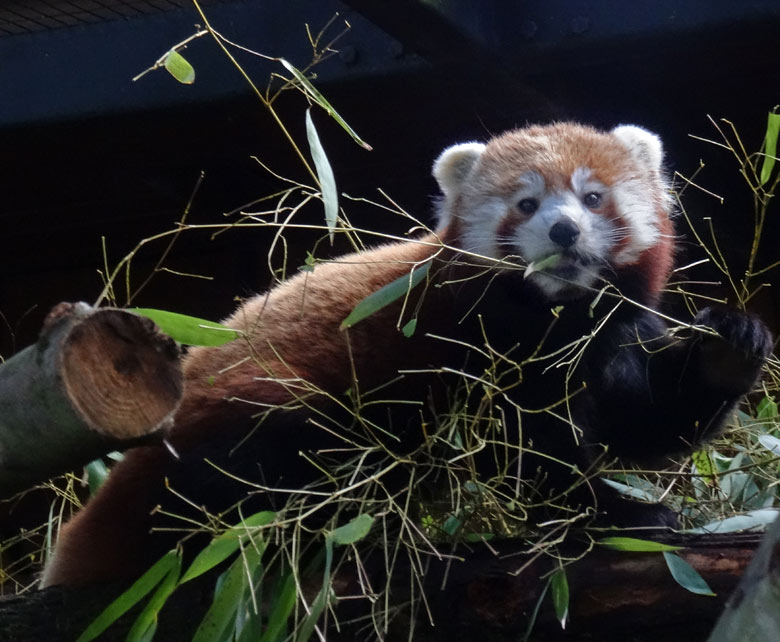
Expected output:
(531, 184)
(481, 221)
(639, 214)
(485, 232)
(579, 180)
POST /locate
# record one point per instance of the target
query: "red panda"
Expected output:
(553, 246)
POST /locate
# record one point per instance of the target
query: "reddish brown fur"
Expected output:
(293, 332)
(555, 152)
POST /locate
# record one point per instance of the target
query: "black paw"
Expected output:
(732, 361)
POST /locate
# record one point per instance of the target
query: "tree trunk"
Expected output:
(96, 380)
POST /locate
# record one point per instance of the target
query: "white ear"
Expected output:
(454, 164)
(644, 146)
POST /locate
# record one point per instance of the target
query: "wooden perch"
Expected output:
(615, 597)
(96, 380)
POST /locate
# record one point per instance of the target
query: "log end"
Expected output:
(122, 374)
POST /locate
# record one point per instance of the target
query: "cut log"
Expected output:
(97, 380)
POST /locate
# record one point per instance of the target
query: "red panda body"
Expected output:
(591, 209)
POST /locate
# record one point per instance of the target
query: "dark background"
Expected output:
(86, 153)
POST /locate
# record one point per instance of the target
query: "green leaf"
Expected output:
(353, 531)
(349, 533)
(542, 264)
(145, 624)
(97, 472)
(307, 627)
(479, 537)
(188, 330)
(634, 545)
(750, 520)
(330, 197)
(770, 443)
(223, 546)
(703, 463)
(321, 601)
(227, 598)
(282, 608)
(766, 409)
(631, 491)
(687, 576)
(535, 613)
(309, 263)
(140, 589)
(451, 525)
(384, 296)
(560, 595)
(322, 102)
(770, 146)
(409, 328)
(179, 68)
(148, 635)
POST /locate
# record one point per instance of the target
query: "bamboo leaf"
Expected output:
(282, 609)
(409, 328)
(353, 531)
(179, 68)
(687, 576)
(140, 589)
(771, 443)
(451, 525)
(321, 601)
(631, 491)
(770, 146)
(750, 520)
(227, 598)
(318, 98)
(634, 545)
(330, 197)
(542, 264)
(97, 472)
(766, 408)
(386, 295)
(223, 546)
(703, 463)
(188, 330)
(145, 624)
(560, 596)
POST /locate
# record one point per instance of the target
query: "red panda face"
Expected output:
(577, 202)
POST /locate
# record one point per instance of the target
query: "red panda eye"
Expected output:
(528, 205)
(592, 199)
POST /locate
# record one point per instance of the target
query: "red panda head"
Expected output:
(598, 202)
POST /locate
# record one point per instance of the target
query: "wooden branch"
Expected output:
(97, 380)
(615, 597)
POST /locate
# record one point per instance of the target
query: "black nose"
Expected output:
(564, 233)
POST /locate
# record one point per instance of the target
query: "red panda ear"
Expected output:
(454, 164)
(644, 146)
